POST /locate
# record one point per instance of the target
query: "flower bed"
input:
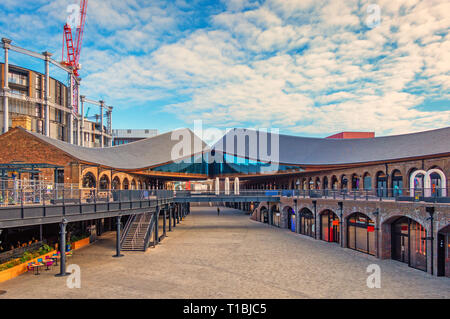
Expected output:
(20, 268)
(80, 243)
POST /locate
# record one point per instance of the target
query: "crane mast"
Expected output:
(73, 52)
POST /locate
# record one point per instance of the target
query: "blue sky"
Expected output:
(307, 67)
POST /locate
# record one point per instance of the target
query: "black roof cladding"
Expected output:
(329, 151)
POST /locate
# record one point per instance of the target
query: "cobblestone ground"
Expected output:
(229, 256)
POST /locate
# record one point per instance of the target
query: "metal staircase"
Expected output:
(137, 232)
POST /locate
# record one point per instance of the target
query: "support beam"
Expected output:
(6, 46)
(164, 221)
(157, 226)
(102, 138)
(62, 249)
(82, 97)
(47, 56)
(118, 238)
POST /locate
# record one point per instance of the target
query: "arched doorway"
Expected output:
(116, 183)
(361, 233)
(89, 180)
(443, 253)
(104, 182)
(264, 215)
(133, 184)
(344, 183)
(435, 184)
(334, 182)
(317, 186)
(382, 190)
(355, 182)
(306, 223)
(290, 215)
(275, 217)
(397, 183)
(126, 183)
(417, 182)
(329, 227)
(409, 243)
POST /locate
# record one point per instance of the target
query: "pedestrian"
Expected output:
(218, 211)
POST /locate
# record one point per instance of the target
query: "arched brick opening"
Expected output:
(116, 183)
(443, 251)
(404, 239)
(103, 182)
(289, 216)
(125, 183)
(360, 233)
(89, 180)
(306, 222)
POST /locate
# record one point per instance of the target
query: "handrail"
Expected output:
(149, 231)
(127, 228)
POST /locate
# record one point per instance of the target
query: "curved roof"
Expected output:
(326, 151)
(141, 154)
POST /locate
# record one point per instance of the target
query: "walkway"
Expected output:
(229, 256)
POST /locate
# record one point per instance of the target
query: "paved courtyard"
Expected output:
(229, 256)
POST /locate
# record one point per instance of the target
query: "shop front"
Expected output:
(329, 227)
(361, 233)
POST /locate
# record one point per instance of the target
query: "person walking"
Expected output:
(218, 211)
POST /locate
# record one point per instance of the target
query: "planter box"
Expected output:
(80, 243)
(20, 269)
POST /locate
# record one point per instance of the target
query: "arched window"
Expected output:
(104, 182)
(361, 233)
(317, 186)
(325, 182)
(89, 180)
(290, 215)
(417, 182)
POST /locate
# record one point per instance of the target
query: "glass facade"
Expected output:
(306, 223)
(361, 233)
(329, 225)
(226, 164)
(409, 243)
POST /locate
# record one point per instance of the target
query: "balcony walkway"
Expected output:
(229, 256)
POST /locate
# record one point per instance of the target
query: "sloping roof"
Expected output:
(321, 151)
(141, 154)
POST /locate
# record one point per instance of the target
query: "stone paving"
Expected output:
(229, 256)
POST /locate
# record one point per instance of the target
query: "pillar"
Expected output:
(62, 248)
(118, 237)
(157, 226)
(47, 56)
(164, 221)
(170, 217)
(217, 186)
(6, 45)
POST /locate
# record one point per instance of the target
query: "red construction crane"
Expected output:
(73, 53)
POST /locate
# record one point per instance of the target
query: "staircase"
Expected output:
(137, 233)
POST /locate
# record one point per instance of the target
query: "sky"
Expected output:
(305, 67)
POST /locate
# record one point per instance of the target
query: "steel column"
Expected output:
(118, 254)
(170, 218)
(47, 56)
(62, 249)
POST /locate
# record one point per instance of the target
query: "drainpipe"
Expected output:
(430, 210)
(377, 229)
(341, 224)
(315, 219)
